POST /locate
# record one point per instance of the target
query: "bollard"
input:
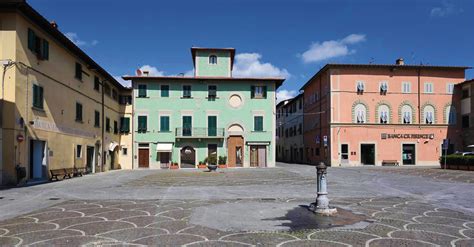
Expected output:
(321, 206)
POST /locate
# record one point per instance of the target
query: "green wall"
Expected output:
(221, 69)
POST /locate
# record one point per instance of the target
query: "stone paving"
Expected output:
(389, 207)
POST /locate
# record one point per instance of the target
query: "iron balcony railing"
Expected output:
(199, 132)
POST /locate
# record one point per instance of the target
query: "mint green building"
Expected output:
(184, 120)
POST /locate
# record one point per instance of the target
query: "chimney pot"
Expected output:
(400, 61)
(146, 73)
(54, 24)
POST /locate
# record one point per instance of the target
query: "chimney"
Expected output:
(400, 61)
(146, 73)
(54, 24)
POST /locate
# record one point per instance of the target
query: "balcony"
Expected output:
(199, 133)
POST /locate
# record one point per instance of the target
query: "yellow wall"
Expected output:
(56, 124)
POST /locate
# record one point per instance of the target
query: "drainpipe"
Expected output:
(103, 154)
(419, 98)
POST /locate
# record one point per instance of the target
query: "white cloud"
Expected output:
(285, 94)
(332, 48)
(153, 71)
(445, 10)
(249, 65)
(122, 81)
(75, 39)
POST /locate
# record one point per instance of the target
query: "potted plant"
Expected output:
(174, 165)
(211, 163)
(222, 161)
(202, 165)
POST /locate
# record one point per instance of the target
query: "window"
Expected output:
(258, 92)
(212, 59)
(106, 89)
(78, 112)
(429, 116)
(114, 94)
(125, 99)
(360, 113)
(406, 87)
(142, 124)
(300, 129)
(97, 119)
(212, 91)
(407, 114)
(187, 125)
(78, 74)
(115, 127)
(300, 102)
(360, 87)
(317, 151)
(211, 125)
(450, 115)
(165, 90)
(465, 93)
(96, 83)
(383, 112)
(37, 96)
(428, 87)
(187, 91)
(38, 45)
(383, 87)
(141, 91)
(124, 151)
(450, 88)
(258, 123)
(125, 125)
(465, 121)
(164, 123)
(78, 151)
(107, 124)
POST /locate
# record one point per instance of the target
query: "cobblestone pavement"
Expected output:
(393, 222)
(397, 206)
(437, 173)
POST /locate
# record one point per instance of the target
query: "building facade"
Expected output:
(59, 108)
(185, 120)
(372, 114)
(290, 142)
(466, 90)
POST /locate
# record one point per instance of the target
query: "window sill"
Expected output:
(163, 131)
(212, 97)
(79, 121)
(259, 131)
(37, 109)
(259, 98)
(144, 97)
(186, 97)
(95, 126)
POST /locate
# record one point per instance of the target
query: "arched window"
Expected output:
(450, 114)
(384, 114)
(360, 113)
(407, 114)
(212, 59)
(429, 114)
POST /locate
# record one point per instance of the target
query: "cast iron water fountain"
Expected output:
(321, 206)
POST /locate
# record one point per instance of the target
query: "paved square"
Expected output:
(243, 207)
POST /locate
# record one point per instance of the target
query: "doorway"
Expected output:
(409, 154)
(235, 149)
(89, 159)
(367, 154)
(38, 159)
(212, 152)
(143, 157)
(344, 153)
(258, 156)
(188, 157)
(164, 159)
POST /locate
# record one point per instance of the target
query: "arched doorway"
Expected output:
(188, 157)
(235, 146)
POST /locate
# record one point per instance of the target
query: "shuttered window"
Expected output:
(31, 40)
(142, 91)
(37, 97)
(45, 50)
(124, 125)
(165, 91)
(115, 127)
(96, 83)
(211, 125)
(187, 125)
(78, 73)
(78, 112)
(164, 123)
(258, 123)
(97, 119)
(107, 124)
(142, 123)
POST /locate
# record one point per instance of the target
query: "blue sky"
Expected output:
(291, 38)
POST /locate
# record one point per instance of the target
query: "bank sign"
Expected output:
(407, 136)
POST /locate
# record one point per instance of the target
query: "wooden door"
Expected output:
(235, 151)
(253, 156)
(143, 158)
(262, 156)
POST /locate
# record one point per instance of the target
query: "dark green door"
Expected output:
(187, 125)
(211, 125)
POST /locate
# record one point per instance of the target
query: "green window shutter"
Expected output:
(164, 123)
(212, 126)
(31, 40)
(252, 92)
(125, 125)
(97, 119)
(40, 97)
(142, 123)
(45, 50)
(258, 123)
(264, 92)
(78, 112)
(165, 91)
(187, 125)
(141, 90)
(35, 96)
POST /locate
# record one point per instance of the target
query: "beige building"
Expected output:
(466, 89)
(59, 108)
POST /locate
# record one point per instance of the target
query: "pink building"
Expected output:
(371, 114)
